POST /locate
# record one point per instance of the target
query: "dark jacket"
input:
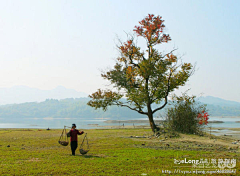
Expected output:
(73, 134)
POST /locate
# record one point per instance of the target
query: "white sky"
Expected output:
(45, 43)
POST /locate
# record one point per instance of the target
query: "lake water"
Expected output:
(52, 123)
(58, 123)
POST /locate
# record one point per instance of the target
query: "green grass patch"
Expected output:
(112, 152)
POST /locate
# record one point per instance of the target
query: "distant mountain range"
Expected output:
(218, 101)
(220, 107)
(22, 101)
(23, 94)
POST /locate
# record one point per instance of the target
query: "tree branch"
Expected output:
(131, 61)
(134, 109)
(167, 92)
(169, 53)
(139, 107)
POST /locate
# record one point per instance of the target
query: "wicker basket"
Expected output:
(64, 143)
(83, 152)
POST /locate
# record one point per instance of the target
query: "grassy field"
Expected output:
(112, 152)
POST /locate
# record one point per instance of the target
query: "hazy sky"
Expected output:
(45, 43)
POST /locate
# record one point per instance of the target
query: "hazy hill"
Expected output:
(57, 103)
(22, 94)
(220, 107)
(65, 108)
(218, 101)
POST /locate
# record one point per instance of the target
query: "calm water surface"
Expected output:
(58, 123)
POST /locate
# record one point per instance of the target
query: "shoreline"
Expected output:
(147, 121)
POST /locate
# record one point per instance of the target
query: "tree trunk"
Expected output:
(150, 117)
(151, 121)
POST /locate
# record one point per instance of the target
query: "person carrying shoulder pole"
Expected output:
(74, 138)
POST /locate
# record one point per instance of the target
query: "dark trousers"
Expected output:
(74, 145)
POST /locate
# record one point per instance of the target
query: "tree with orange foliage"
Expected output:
(143, 78)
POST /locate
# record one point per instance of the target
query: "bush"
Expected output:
(186, 115)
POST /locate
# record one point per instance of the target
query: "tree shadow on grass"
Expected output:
(85, 156)
(90, 156)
